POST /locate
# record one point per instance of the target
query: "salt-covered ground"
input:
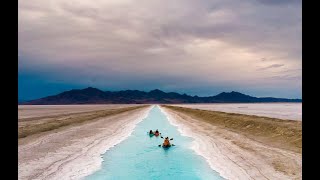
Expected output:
(30, 111)
(234, 155)
(290, 111)
(73, 152)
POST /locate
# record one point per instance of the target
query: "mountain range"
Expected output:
(92, 95)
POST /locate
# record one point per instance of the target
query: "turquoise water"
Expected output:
(139, 157)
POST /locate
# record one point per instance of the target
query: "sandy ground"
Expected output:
(233, 154)
(74, 152)
(287, 111)
(32, 111)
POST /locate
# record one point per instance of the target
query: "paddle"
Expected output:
(171, 145)
(170, 139)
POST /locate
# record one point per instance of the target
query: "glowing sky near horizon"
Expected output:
(195, 47)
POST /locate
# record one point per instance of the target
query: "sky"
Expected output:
(187, 46)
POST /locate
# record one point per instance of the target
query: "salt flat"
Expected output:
(66, 141)
(242, 146)
(72, 150)
(290, 111)
(30, 111)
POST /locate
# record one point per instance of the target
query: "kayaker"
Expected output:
(166, 142)
(156, 133)
(150, 132)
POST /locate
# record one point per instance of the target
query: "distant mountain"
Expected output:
(92, 95)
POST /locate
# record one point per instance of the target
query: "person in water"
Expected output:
(166, 142)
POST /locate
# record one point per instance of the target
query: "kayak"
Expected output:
(151, 135)
(156, 134)
(166, 146)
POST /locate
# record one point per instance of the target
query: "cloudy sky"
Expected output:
(188, 46)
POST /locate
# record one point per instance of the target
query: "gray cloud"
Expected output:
(156, 43)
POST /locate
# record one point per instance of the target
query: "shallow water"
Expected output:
(139, 156)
